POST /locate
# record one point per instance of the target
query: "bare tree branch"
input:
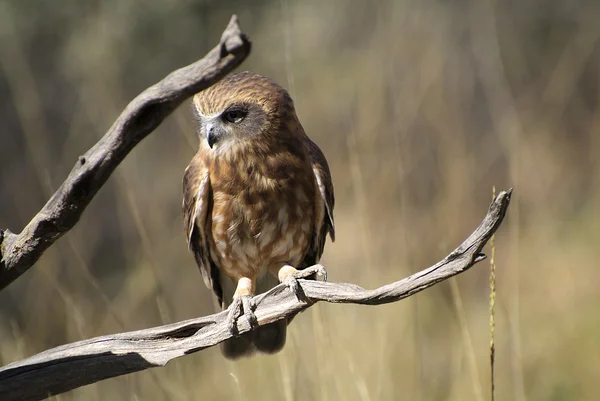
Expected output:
(18, 252)
(74, 365)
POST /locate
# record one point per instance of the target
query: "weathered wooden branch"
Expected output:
(18, 252)
(74, 365)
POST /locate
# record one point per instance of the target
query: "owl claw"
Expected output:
(241, 306)
(320, 272)
(291, 279)
(317, 270)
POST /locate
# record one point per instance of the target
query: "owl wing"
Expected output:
(197, 208)
(325, 224)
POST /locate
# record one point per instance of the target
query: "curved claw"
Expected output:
(292, 275)
(241, 306)
(292, 283)
(249, 307)
(235, 311)
(318, 271)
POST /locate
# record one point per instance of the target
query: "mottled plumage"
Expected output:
(258, 198)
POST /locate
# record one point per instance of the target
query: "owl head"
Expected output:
(241, 109)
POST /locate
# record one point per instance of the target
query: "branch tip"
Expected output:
(233, 40)
(504, 197)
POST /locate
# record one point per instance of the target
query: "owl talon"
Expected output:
(316, 270)
(294, 286)
(241, 306)
(249, 307)
(319, 271)
(292, 276)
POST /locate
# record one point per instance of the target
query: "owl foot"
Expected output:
(291, 275)
(243, 305)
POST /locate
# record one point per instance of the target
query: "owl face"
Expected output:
(236, 123)
(242, 109)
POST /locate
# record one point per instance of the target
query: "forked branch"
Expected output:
(18, 252)
(74, 365)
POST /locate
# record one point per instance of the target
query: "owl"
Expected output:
(257, 202)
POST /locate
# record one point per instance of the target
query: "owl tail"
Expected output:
(267, 339)
(238, 347)
(271, 337)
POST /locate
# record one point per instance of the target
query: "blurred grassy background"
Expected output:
(420, 108)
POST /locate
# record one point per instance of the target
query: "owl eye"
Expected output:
(234, 116)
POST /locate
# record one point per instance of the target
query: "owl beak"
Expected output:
(211, 135)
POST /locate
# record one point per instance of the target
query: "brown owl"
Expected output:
(258, 201)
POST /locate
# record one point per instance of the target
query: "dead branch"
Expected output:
(18, 252)
(74, 365)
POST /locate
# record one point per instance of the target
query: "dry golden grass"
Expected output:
(420, 108)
